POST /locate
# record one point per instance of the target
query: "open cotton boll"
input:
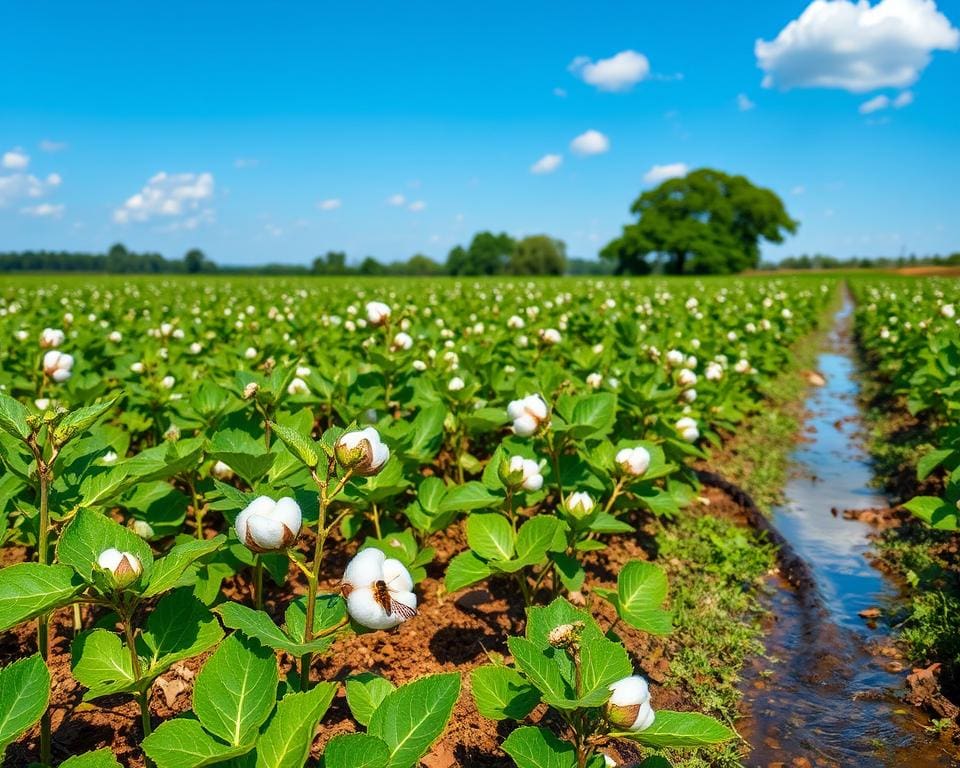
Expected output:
(379, 590)
(527, 414)
(377, 312)
(57, 365)
(362, 451)
(633, 461)
(629, 705)
(266, 525)
(124, 568)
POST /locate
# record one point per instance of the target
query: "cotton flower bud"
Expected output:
(519, 472)
(266, 525)
(123, 568)
(566, 635)
(250, 391)
(57, 365)
(402, 341)
(528, 414)
(580, 505)
(142, 528)
(172, 434)
(687, 428)
(362, 451)
(51, 337)
(377, 312)
(629, 706)
(379, 590)
(633, 461)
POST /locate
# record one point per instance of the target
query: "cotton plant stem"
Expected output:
(43, 552)
(142, 696)
(258, 583)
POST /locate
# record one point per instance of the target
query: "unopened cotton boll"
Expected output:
(123, 568)
(379, 590)
(522, 473)
(456, 384)
(298, 387)
(57, 365)
(167, 382)
(633, 461)
(250, 353)
(687, 428)
(594, 380)
(419, 365)
(579, 504)
(528, 414)
(266, 525)
(402, 341)
(629, 705)
(137, 368)
(362, 451)
(51, 337)
(115, 336)
(675, 357)
(377, 312)
(221, 470)
(714, 372)
(550, 336)
(686, 378)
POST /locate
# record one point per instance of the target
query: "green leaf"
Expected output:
(538, 748)
(242, 453)
(542, 669)
(24, 695)
(329, 611)
(602, 662)
(571, 573)
(235, 690)
(501, 693)
(178, 628)
(89, 534)
(182, 743)
(491, 536)
(79, 421)
(286, 741)
(468, 497)
(301, 446)
(539, 535)
(258, 625)
(412, 717)
(13, 417)
(100, 758)
(931, 461)
(682, 729)
(31, 589)
(101, 663)
(465, 569)
(356, 750)
(365, 692)
(641, 589)
(168, 569)
(934, 512)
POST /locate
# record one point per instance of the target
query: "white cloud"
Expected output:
(44, 210)
(560, 93)
(243, 163)
(856, 46)
(15, 159)
(743, 102)
(618, 73)
(659, 173)
(417, 205)
(48, 145)
(903, 99)
(170, 195)
(590, 143)
(875, 104)
(331, 204)
(546, 164)
(396, 200)
(26, 185)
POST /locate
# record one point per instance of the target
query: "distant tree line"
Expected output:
(117, 260)
(822, 261)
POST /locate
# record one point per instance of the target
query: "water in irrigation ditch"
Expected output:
(825, 697)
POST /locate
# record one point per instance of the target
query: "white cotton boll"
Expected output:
(298, 387)
(167, 382)
(686, 378)
(266, 525)
(527, 414)
(138, 368)
(372, 570)
(456, 384)
(57, 365)
(250, 353)
(402, 341)
(633, 461)
(419, 365)
(629, 705)
(687, 428)
(51, 337)
(594, 380)
(124, 568)
(362, 451)
(377, 312)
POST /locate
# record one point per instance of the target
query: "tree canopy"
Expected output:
(707, 222)
(538, 255)
(487, 254)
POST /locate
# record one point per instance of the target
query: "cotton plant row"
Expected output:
(910, 333)
(198, 435)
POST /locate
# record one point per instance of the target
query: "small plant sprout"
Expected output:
(379, 590)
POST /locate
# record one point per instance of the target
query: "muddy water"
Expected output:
(826, 697)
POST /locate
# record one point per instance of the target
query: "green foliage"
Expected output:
(24, 693)
(538, 255)
(705, 222)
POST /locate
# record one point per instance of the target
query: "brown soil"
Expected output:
(450, 633)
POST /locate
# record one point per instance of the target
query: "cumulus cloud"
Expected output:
(396, 200)
(659, 173)
(48, 145)
(546, 164)
(743, 102)
(416, 206)
(855, 46)
(44, 210)
(590, 143)
(17, 186)
(618, 73)
(877, 103)
(330, 204)
(903, 99)
(15, 159)
(169, 196)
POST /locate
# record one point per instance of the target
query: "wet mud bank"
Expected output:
(830, 690)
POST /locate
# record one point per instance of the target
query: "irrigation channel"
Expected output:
(825, 696)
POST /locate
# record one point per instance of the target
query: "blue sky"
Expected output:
(283, 130)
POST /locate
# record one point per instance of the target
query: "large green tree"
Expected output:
(538, 255)
(487, 254)
(707, 222)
